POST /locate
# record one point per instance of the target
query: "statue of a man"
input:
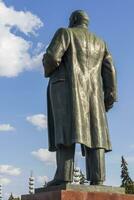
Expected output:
(82, 87)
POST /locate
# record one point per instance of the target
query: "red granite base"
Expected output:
(76, 195)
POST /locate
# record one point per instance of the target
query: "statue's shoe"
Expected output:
(96, 183)
(55, 182)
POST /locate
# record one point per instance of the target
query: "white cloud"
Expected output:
(4, 181)
(131, 146)
(44, 155)
(9, 170)
(15, 56)
(40, 46)
(42, 179)
(7, 195)
(39, 120)
(129, 159)
(6, 127)
(24, 21)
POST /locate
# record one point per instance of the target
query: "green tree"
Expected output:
(126, 180)
(12, 198)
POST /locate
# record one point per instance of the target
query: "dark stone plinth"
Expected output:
(84, 188)
(76, 195)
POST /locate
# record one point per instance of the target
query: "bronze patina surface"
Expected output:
(81, 89)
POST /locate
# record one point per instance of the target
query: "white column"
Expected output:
(76, 178)
(0, 192)
(31, 184)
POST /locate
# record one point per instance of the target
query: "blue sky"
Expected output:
(26, 28)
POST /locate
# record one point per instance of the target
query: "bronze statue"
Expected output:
(81, 89)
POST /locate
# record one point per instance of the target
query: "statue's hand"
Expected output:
(109, 100)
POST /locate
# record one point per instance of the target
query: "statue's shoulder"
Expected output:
(97, 38)
(62, 30)
(61, 33)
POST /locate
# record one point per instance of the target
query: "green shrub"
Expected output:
(129, 188)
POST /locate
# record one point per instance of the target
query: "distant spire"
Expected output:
(31, 183)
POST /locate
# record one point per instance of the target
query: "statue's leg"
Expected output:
(95, 165)
(65, 163)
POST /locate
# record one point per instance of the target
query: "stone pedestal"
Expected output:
(78, 192)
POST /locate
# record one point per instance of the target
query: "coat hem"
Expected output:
(54, 148)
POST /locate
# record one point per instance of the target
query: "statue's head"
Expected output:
(78, 17)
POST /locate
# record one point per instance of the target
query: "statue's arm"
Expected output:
(55, 51)
(109, 80)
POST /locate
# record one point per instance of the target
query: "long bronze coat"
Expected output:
(81, 73)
